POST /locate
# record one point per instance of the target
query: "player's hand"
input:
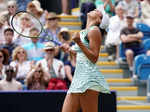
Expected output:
(76, 37)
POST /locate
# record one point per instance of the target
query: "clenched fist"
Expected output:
(76, 37)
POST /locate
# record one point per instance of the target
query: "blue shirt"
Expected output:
(34, 51)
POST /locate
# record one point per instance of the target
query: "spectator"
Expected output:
(3, 62)
(12, 9)
(116, 23)
(51, 28)
(34, 7)
(109, 6)
(37, 78)
(64, 37)
(131, 39)
(34, 48)
(10, 84)
(54, 67)
(9, 44)
(24, 25)
(20, 62)
(145, 7)
(130, 6)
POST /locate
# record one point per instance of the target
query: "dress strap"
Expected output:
(86, 32)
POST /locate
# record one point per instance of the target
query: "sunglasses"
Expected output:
(39, 71)
(9, 71)
(21, 52)
(49, 50)
(52, 19)
(1, 56)
(11, 6)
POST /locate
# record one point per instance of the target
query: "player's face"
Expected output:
(96, 15)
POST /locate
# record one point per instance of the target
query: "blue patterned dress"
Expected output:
(87, 74)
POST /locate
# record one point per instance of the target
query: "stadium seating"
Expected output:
(122, 52)
(145, 29)
(146, 44)
(142, 66)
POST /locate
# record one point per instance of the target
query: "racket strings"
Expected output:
(23, 22)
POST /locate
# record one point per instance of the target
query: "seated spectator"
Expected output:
(34, 7)
(34, 49)
(12, 9)
(145, 12)
(4, 55)
(130, 6)
(131, 39)
(64, 37)
(20, 62)
(116, 24)
(54, 67)
(24, 26)
(51, 28)
(9, 44)
(9, 83)
(37, 78)
(109, 6)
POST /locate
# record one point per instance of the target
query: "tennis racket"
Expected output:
(23, 28)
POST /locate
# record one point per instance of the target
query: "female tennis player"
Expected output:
(87, 81)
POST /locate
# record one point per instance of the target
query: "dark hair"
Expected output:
(6, 55)
(65, 35)
(85, 8)
(9, 29)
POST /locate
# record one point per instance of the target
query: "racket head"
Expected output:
(23, 22)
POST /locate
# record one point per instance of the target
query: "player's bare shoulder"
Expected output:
(94, 31)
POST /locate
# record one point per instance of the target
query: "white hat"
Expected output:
(130, 15)
(11, 3)
(37, 5)
(49, 45)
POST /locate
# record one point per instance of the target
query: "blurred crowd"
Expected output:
(33, 63)
(39, 64)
